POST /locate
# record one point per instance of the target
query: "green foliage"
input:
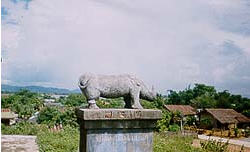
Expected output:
(201, 89)
(190, 120)
(246, 112)
(164, 123)
(68, 117)
(66, 140)
(50, 116)
(21, 128)
(147, 104)
(74, 100)
(206, 122)
(156, 104)
(173, 143)
(214, 146)
(236, 132)
(223, 100)
(110, 103)
(174, 128)
(169, 121)
(159, 101)
(203, 96)
(204, 101)
(53, 116)
(24, 103)
(175, 117)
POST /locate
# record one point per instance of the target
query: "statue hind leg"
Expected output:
(135, 98)
(92, 95)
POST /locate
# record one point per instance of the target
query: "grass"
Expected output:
(67, 140)
(173, 143)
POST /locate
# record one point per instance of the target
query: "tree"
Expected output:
(73, 100)
(24, 103)
(174, 98)
(223, 100)
(164, 123)
(50, 116)
(204, 101)
(201, 89)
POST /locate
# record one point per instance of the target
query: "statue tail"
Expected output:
(83, 82)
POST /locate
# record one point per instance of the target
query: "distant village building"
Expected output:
(58, 96)
(185, 110)
(223, 119)
(49, 100)
(8, 117)
(53, 104)
(34, 117)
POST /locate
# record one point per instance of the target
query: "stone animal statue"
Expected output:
(114, 86)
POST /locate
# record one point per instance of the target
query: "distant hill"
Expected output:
(38, 89)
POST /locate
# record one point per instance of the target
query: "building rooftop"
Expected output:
(7, 114)
(183, 109)
(228, 116)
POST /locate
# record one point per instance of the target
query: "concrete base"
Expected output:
(117, 130)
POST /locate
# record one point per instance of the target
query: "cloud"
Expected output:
(169, 44)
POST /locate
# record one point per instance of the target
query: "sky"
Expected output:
(169, 44)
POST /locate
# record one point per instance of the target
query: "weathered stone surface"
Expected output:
(118, 114)
(115, 124)
(113, 86)
(119, 140)
(113, 130)
(18, 143)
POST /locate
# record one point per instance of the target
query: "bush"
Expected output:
(66, 140)
(74, 100)
(206, 123)
(214, 146)
(190, 120)
(173, 143)
(22, 128)
(24, 103)
(174, 128)
(163, 124)
(111, 103)
(49, 116)
(54, 116)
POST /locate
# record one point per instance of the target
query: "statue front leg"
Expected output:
(92, 104)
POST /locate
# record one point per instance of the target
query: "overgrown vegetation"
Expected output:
(54, 116)
(214, 146)
(66, 140)
(173, 143)
(24, 103)
(22, 128)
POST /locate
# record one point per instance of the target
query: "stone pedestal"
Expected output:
(117, 130)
